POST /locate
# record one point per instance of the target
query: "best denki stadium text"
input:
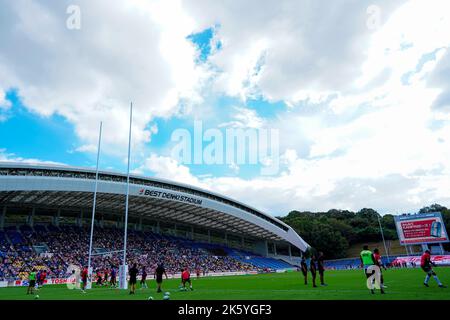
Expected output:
(168, 195)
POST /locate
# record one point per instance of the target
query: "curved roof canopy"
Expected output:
(66, 187)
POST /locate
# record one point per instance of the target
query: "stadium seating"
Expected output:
(55, 248)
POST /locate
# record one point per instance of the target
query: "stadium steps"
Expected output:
(262, 262)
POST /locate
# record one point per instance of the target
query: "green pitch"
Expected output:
(348, 285)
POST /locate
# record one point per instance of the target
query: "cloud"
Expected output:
(168, 168)
(244, 118)
(4, 105)
(124, 51)
(366, 132)
(279, 50)
(11, 157)
(367, 123)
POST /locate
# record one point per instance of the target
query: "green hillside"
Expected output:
(341, 233)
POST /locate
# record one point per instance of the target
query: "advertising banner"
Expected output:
(443, 260)
(421, 228)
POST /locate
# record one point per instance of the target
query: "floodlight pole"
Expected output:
(124, 262)
(95, 197)
(384, 242)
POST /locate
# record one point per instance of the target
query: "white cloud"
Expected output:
(11, 157)
(168, 168)
(287, 50)
(244, 118)
(371, 139)
(125, 51)
(368, 123)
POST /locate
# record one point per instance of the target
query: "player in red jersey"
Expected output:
(186, 277)
(426, 265)
(84, 279)
(43, 277)
(376, 256)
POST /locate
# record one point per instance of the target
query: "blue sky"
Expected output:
(359, 103)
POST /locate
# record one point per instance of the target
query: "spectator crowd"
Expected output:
(54, 249)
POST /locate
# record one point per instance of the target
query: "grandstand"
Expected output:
(45, 214)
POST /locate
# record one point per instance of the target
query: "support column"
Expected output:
(158, 228)
(424, 247)
(226, 239)
(2, 218)
(290, 252)
(261, 247)
(242, 242)
(80, 219)
(56, 218)
(209, 236)
(31, 217)
(192, 233)
(140, 224)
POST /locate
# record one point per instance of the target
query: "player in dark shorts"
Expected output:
(379, 262)
(321, 268)
(38, 279)
(112, 280)
(84, 278)
(105, 276)
(31, 282)
(43, 277)
(313, 269)
(304, 269)
(426, 265)
(133, 278)
(186, 278)
(144, 279)
(99, 278)
(159, 272)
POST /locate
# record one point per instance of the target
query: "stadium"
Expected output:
(233, 250)
(38, 201)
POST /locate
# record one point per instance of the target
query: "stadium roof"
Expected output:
(64, 187)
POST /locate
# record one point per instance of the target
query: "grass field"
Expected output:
(348, 285)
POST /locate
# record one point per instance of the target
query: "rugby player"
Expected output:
(186, 278)
(99, 277)
(112, 280)
(313, 269)
(144, 278)
(304, 269)
(426, 265)
(158, 275)
(133, 278)
(84, 278)
(105, 276)
(379, 262)
(366, 257)
(321, 268)
(31, 281)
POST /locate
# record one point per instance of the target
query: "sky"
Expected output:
(352, 96)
